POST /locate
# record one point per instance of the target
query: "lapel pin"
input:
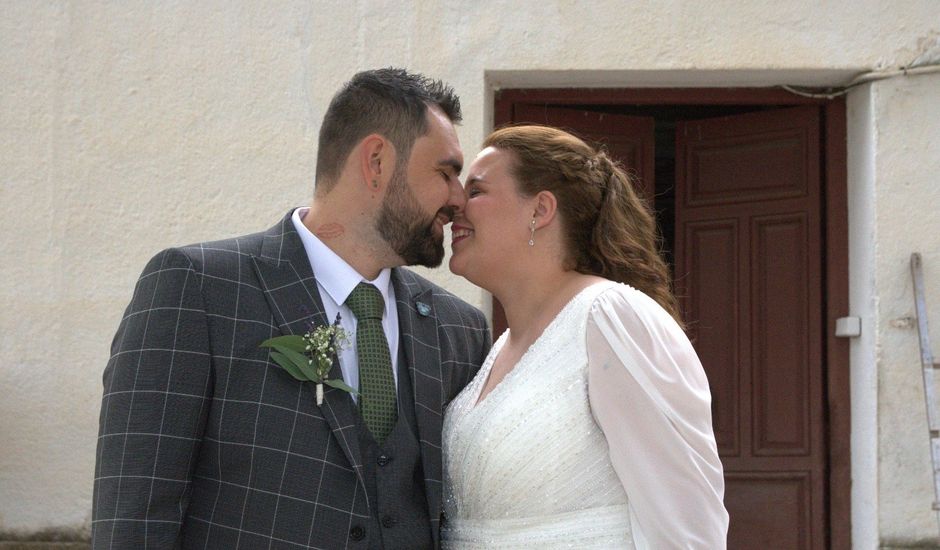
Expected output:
(424, 309)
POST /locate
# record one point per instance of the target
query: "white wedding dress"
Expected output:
(599, 437)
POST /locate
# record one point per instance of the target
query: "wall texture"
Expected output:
(129, 127)
(907, 195)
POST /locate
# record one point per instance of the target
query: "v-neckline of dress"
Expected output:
(550, 328)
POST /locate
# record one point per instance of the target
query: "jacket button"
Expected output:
(388, 522)
(357, 533)
(383, 460)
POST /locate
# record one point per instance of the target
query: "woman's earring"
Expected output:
(532, 234)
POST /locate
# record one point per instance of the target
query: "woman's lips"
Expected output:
(459, 233)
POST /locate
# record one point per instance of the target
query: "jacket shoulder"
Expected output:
(210, 257)
(206, 254)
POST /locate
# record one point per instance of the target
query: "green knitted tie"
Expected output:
(377, 396)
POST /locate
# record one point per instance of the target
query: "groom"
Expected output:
(206, 443)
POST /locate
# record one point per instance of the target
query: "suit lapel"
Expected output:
(290, 288)
(417, 321)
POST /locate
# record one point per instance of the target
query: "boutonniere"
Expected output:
(309, 358)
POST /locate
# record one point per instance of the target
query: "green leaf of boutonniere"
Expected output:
(288, 365)
(292, 341)
(303, 363)
(309, 358)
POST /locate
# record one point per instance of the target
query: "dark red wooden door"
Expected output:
(748, 273)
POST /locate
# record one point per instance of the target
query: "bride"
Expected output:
(589, 424)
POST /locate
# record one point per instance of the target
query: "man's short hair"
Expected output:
(391, 102)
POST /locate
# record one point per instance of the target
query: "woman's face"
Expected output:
(490, 236)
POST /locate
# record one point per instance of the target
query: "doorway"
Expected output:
(749, 190)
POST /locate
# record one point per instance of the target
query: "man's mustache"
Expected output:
(448, 213)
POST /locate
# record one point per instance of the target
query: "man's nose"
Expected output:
(457, 198)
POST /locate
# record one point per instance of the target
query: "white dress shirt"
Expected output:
(336, 279)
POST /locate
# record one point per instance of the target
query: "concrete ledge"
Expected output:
(61, 538)
(910, 545)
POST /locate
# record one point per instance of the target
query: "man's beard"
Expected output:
(408, 230)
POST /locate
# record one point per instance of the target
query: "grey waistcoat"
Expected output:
(394, 478)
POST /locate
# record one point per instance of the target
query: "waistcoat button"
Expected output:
(383, 460)
(357, 533)
(388, 522)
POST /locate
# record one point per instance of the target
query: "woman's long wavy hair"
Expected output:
(610, 230)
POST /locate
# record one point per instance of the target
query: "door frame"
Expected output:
(835, 244)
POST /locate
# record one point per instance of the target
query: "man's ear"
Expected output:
(546, 207)
(376, 161)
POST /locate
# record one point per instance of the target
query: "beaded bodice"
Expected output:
(531, 451)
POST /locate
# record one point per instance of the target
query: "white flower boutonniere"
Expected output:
(309, 358)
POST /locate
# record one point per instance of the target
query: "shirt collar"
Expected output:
(333, 274)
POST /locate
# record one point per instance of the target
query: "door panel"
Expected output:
(757, 176)
(781, 363)
(735, 168)
(766, 513)
(715, 294)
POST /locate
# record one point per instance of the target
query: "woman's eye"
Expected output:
(472, 192)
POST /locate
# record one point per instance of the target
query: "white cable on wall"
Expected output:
(864, 78)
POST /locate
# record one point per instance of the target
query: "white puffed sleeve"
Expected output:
(649, 395)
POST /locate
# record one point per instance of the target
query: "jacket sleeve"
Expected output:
(157, 390)
(650, 396)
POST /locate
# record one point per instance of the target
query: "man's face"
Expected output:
(423, 195)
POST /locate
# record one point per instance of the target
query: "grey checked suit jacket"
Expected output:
(204, 443)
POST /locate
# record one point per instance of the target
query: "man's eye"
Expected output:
(472, 192)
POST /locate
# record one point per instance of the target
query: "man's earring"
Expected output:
(532, 232)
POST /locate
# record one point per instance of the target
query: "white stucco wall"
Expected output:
(894, 190)
(129, 127)
(906, 219)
